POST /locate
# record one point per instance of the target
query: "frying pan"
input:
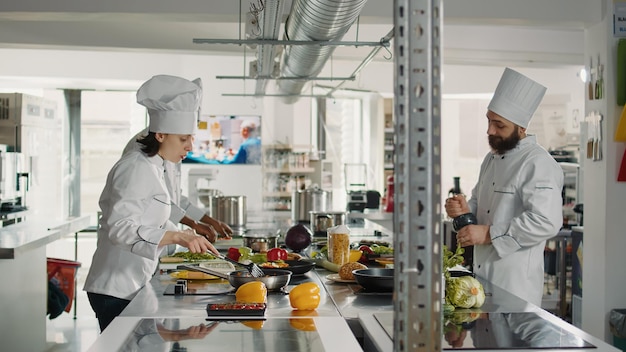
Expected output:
(375, 279)
(299, 267)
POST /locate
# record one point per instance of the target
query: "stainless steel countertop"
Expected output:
(277, 335)
(36, 232)
(151, 302)
(378, 326)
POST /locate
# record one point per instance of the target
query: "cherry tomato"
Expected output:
(275, 254)
(233, 253)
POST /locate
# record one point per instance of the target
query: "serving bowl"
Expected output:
(274, 279)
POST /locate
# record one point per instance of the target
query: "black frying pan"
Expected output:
(299, 267)
(375, 279)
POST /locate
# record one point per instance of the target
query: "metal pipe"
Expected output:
(314, 20)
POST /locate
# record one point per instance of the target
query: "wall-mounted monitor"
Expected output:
(227, 139)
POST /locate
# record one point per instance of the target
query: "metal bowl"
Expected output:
(375, 280)
(274, 279)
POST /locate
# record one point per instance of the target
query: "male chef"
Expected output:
(517, 199)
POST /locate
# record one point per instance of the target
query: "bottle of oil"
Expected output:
(457, 187)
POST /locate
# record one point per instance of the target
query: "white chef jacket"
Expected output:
(181, 206)
(518, 195)
(135, 206)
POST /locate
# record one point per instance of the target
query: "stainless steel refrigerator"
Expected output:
(29, 125)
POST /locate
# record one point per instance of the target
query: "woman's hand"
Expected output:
(456, 206)
(190, 240)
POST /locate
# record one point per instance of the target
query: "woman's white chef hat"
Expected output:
(516, 98)
(173, 103)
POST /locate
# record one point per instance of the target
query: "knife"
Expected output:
(203, 270)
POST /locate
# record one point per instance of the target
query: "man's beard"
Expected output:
(501, 145)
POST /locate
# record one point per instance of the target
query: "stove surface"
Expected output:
(468, 330)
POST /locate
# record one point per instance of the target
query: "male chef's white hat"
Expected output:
(516, 98)
(173, 103)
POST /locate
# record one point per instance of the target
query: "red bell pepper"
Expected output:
(275, 254)
(233, 253)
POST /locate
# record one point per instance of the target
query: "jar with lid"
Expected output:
(339, 244)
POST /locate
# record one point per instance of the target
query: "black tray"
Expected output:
(227, 312)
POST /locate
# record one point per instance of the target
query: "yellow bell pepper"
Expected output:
(303, 324)
(253, 324)
(252, 292)
(305, 296)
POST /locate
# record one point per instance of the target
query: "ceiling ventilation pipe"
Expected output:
(313, 20)
(269, 25)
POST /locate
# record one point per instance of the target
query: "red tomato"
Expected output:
(233, 253)
(275, 254)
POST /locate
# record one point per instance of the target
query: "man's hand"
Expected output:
(473, 234)
(218, 226)
(456, 206)
(206, 231)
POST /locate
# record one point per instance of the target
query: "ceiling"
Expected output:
(166, 26)
(477, 32)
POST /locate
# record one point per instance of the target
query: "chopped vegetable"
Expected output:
(194, 256)
(305, 296)
(380, 250)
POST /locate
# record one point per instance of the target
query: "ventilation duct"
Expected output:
(313, 20)
(269, 25)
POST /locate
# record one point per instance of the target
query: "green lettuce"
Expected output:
(464, 292)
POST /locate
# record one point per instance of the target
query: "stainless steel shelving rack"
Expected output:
(417, 218)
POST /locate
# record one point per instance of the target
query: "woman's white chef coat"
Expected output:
(180, 204)
(135, 205)
(518, 194)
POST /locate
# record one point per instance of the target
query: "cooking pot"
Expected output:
(231, 210)
(322, 220)
(307, 200)
(260, 242)
(206, 197)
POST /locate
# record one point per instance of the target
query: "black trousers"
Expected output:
(106, 308)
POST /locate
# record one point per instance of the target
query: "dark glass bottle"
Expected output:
(465, 219)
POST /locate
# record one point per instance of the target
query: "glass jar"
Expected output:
(339, 245)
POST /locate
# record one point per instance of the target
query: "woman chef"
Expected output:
(134, 227)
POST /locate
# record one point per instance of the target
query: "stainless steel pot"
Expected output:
(260, 242)
(231, 210)
(322, 220)
(207, 198)
(307, 200)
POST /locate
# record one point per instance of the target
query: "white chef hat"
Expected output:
(516, 98)
(173, 103)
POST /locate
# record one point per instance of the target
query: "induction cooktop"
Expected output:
(470, 330)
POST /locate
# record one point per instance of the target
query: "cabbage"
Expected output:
(465, 292)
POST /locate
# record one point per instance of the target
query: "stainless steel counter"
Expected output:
(283, 330)
(151, 302)
(36, 232)
(526, 322)
(23, 257)
(315, 334)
